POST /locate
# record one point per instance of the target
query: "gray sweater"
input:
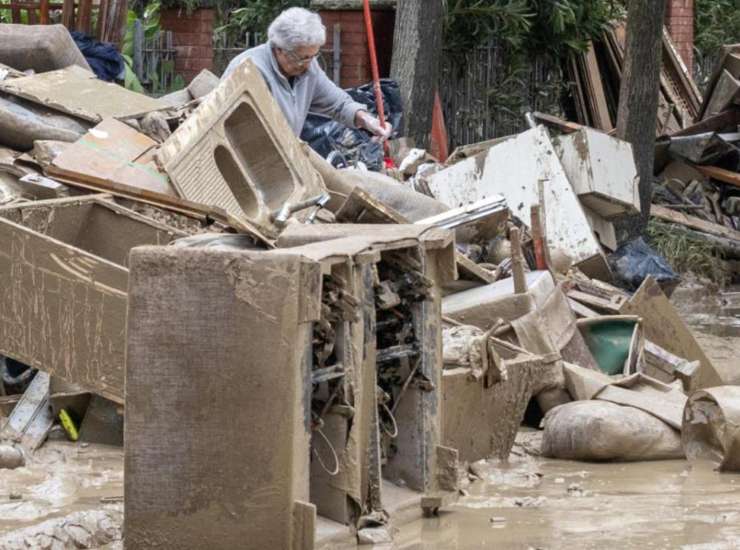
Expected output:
(312, 91)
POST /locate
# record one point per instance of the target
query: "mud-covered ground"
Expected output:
(71, 494)
(534, 502)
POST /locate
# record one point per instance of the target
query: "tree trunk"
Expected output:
(638, 96)
(417, 46)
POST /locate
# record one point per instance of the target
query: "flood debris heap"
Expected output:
(305, 354)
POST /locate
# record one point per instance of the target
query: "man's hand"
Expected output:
(365, 120)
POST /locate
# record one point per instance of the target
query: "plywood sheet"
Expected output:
(664, 326)
(114, 152)
(80, 93)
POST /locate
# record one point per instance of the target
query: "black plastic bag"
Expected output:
(103, 58)
(635, 260)
(343, 146)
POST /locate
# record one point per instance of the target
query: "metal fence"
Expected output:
(154, 60)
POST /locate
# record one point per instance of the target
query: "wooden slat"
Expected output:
(68, 14)
(721, 174)
(102, 19)
(15, 12)
(32, 19)
(44, 12)
(693, 222)
(712, 124)
(84, 12)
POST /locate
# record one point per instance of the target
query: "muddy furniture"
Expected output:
(63, 263)
(402, 268)
(217, 435)
(237, 152)
(480, 419)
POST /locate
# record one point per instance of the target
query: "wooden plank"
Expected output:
(721, 174)
(676, 70)
(15, 12)
(62, 308)
(663, 325)
(714, 123)
(44, 12)
(84, 12)
(597, 94)
(718, 69)
(102, 18)
(68, 14)
(564, 126)
(693, 222)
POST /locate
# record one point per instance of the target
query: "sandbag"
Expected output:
(603, 431)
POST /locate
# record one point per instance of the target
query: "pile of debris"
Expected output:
(699, 166)
(335, 341)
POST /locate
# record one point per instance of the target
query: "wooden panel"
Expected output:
(63, 310)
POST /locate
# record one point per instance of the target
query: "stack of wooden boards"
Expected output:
(597, 74)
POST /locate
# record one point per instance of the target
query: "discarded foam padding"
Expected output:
(41, 48)
(526, 171)
(237, 152)
(63, 301)
(602, 171)
(711, 427)
(217, 435)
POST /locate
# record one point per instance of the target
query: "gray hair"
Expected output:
(296, 27)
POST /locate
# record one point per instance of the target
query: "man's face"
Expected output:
(296, 62)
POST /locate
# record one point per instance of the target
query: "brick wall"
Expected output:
(680, 23)
(193, 39)
(355, 58)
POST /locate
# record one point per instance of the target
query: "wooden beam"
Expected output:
(68, 14)
(84, 13)
(721, 174)
(564, 126)
(44, 12)
(693, 222)
(714, 123)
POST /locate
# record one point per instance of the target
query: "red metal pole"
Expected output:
(374, 69)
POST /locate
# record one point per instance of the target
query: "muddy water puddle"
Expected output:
(542, 503)
(61, 478)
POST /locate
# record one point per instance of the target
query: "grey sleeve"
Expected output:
(330, 100)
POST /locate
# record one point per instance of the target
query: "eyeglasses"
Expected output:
(300, 60)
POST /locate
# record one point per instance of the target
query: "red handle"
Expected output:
(374, 69)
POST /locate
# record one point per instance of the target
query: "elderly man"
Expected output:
(289, 66)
